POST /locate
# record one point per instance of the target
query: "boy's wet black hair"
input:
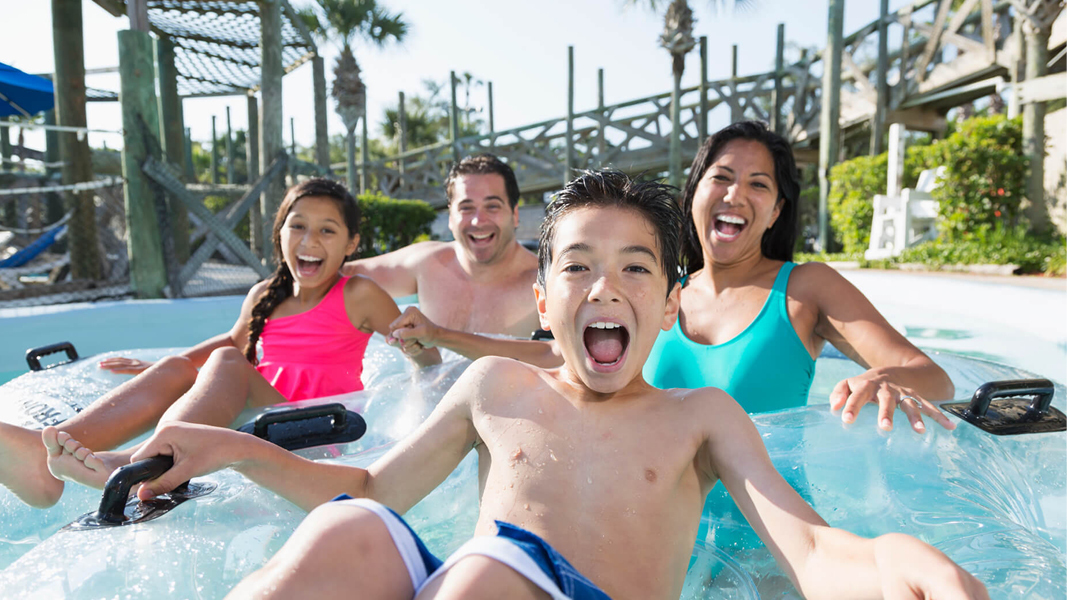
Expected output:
(614, 189)
(778, 242)
(281, 281)
(484, 164)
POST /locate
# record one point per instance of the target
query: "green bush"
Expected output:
(998, 246)
(390, 224)
(985, 177)
(851, 199)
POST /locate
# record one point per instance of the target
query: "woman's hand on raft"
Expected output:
(852, 393)
(911, 569)
(412, 331)
(124, 366)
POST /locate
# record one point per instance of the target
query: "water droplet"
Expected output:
(589, 480)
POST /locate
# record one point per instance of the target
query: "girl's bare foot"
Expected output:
(68, 460)
(23, 469)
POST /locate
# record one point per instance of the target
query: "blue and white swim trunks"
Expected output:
(525, 552)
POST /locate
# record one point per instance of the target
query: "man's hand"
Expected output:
(852, 393)
(412, 331)
(914, 570)
(124, 366)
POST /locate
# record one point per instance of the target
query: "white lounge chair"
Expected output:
(904, 220)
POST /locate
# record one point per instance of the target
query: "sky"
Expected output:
(520, 46)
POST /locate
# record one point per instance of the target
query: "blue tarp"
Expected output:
(30, 252)
(31, 93)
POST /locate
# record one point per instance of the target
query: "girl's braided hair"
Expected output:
(281, 281)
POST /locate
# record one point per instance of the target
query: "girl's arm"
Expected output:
(372, 309)
(898, 373)
(415, 326)
(198, 354)
(821, 561)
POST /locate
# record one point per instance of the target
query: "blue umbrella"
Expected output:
(23, 94)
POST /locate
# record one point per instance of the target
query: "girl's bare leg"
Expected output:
(120, 415)
(227, 384)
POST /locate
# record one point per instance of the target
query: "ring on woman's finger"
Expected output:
(918, 403)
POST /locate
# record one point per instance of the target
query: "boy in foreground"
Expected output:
(586, 461)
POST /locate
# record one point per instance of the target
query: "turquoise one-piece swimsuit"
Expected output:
(765, 367)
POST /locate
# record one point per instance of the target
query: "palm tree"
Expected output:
(677, 39)
(345, 20)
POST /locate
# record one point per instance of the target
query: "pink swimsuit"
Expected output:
(315, 353)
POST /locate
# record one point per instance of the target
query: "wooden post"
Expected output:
(5, 146)
(140, 122)
(779, 67)
(735, 108)
(402, 135)
(492, 124)
(255, 214)
(322, 137)
(364, 182)
(1034, 128)
(292, 137)
(137, 11)
(214, 152)
(703, 122)
(829, 126)
(190, 174)
(229, 149)
(172, 135)
(601, 142)
(51, 155)
(8, 205)
(674, 150)
(69, 85)
(881, 104)
(453, 118)
(271, 143)
(1016, 69)
(568, 166)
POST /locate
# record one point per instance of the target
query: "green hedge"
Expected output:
(851, 199)
(985, 178)
(999, 246)
(390, 224)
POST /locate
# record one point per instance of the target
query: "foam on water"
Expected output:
(995, 505)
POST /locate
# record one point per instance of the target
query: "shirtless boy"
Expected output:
(586, 457)
(484, 267)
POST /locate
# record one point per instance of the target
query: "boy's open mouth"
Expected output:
(606, 342)
(729, 226)
(308, 266)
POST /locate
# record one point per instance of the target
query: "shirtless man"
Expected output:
(481, 281)
(587, 457)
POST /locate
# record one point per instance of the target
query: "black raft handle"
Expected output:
(1041, 389)
(33, 355)
(336, 411)
(118, 486)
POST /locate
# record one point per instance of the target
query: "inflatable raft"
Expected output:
(996, 504)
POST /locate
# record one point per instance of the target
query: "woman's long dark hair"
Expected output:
(281, 281)
(778, 241)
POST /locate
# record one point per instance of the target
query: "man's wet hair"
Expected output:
(777, 242)
(614, 189)
(483, 164)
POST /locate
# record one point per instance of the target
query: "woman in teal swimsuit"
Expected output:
(752, 322)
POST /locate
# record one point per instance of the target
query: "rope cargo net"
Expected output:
(217, 43)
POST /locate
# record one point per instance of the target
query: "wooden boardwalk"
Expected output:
(936, 59)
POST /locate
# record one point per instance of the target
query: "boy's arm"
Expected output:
(896, 369)
(415, 326)
(822, 562)
(412, 469)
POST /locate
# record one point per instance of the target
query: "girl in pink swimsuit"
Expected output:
(301, 334)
